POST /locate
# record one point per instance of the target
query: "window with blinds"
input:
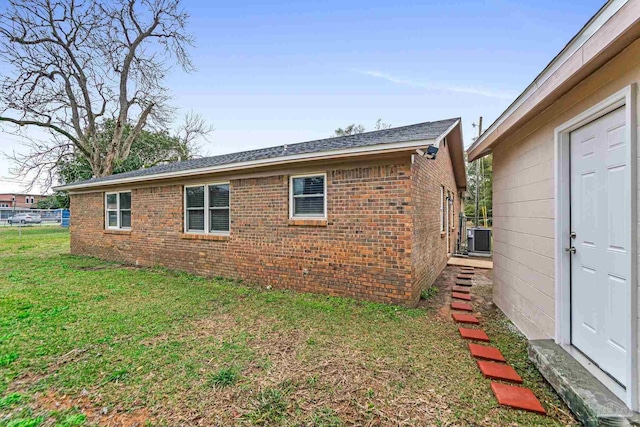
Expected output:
(118, 210)
(308, 196)
(207, 208)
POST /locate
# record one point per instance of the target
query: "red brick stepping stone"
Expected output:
(486, 352)
(473, 334)
(517, 397)
(461, 306)
(461, 289)
(465, 276)
(464, 267)
(465, 318)
(467, 271)
(461, 282)
(499, 371)
(458, 295)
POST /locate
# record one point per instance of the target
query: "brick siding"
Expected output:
(429, 256)
(363, 250)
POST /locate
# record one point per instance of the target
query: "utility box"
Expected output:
(66, 218)
(479, 241)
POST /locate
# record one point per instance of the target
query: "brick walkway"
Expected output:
(490, 360)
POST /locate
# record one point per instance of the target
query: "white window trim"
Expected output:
(442, 229)
(117, 210)
(307, 175)
(206, 209)
(453, 211)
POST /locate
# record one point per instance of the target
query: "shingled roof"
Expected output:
(417, 132)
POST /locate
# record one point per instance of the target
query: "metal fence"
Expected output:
(49, 216)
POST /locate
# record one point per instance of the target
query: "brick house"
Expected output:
(369, 216)
(19, 200)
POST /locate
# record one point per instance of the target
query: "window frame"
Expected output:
(453, 211)
(206, 208)
(117, 210)
(324, 196)
(442, 212)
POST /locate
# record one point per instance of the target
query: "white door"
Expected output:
(601, 264)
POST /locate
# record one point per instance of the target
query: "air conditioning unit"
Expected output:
(479, 241)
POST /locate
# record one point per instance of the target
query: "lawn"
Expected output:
(86, 342)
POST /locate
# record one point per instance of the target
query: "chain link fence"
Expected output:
(49, 216)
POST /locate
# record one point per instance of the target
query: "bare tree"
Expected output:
(354, 129)
(72, 64)
(191, 131)
(380, 125)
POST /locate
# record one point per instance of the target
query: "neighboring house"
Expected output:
(368, 216)
(565, 186)
(19, 200)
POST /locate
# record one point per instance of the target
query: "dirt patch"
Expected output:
(95, 414)
(481, 291)
(299, 379)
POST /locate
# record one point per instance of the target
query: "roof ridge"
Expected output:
(401, 134)
(332, 138)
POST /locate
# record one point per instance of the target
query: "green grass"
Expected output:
(224, 377)
(429, 293)
(83, 339)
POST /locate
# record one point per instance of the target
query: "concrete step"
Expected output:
(591, 402)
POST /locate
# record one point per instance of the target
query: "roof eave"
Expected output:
(456, 152)
(276, 161)
(609, 25)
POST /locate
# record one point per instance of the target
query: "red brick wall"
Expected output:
(362, 252)
(368, 248)
(429, 256)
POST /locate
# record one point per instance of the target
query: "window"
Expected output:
(118, 210)
(442, 213)
(207, 208)
(308, 196)
(453, 211)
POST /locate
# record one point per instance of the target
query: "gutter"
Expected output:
(275, 161)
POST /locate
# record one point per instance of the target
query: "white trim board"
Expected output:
(595, 24)
(625, 97)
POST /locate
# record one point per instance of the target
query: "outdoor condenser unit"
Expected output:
(479, 241)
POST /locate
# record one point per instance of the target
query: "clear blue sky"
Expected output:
(281, 72)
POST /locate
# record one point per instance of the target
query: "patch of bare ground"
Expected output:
(288, 381)
(95, 414)
(481, 291)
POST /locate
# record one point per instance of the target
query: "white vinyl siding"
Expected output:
(207, 208)
(118, 210)
(307, 196)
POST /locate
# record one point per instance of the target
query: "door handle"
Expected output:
(570, 250)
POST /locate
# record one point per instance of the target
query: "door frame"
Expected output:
(627, 98)
(447, 226)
